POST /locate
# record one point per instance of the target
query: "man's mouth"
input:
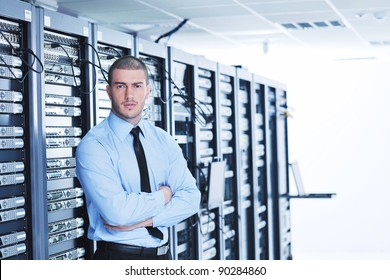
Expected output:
(129, 105)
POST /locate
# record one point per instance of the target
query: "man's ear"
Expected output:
(148, 90)
(108, 90)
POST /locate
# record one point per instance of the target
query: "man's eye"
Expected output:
(120, 86)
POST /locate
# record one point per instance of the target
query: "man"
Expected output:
(124, 217)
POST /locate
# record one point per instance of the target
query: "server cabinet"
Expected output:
(67, 117)
(16, 50)
(156, 59)
(108, 45)
(207, 146)
(182, 122)
(227, 93)
(261, 244)
(245, 165)
(277, 170)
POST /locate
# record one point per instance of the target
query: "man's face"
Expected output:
(128, 92)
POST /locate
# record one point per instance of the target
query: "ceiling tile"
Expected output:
(286, 7)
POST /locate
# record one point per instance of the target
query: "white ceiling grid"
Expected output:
(250, 23)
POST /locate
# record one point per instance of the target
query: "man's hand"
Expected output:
(167, 193)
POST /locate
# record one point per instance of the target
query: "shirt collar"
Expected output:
(122, 128)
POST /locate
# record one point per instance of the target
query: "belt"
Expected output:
(133, 250)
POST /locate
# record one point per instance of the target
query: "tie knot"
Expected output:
(135, 131)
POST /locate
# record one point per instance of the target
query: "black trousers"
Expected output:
(106, 252)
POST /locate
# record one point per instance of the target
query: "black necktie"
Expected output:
(143, 172)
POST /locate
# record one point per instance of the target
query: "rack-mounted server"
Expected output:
(15, 213)
(67, 91)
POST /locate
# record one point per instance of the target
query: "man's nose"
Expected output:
(129, 93)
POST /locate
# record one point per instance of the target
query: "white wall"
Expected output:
(340, 135)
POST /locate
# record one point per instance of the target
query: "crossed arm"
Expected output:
(147, 223)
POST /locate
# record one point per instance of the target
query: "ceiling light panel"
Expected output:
(206, 40)
(130, 16)
(188, 4)
(303, 17)
(287, 7)
(101, 6)
(361, 5)
(207, 12)
(233, 23)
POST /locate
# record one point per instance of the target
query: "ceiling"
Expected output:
(355, 29)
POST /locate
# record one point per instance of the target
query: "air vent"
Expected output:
(380, 43)
(312, 25)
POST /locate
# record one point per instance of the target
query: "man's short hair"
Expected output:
(128, 62)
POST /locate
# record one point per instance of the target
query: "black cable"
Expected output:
(20, 80)
(56, 45)
(208, 213)
(95, 73)
(187, 101)
(174, 30)
(115, 50)
(35, 59)
(199, 114)
(19, 52)
(99, 61)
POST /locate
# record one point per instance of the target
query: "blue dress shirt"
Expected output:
(108, 172)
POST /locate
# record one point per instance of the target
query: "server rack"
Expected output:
(277, 171)
(261, 244)
(156, 59)
(16, 220)
(245, 165)
(67, 117)
(227, 91)
(207, 146)
(107, 45)
(182, 123)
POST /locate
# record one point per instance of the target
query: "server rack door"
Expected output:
(272, 183)
(207, 146)
(277, 161)
(260, 192)
(108, 46)
(16, 57)
(226, 82)
(182, 123)
(245, 165)
(283, 178)
(67, 95)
